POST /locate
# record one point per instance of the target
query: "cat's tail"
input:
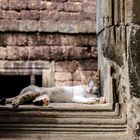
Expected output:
(4, 101)
(32, 88)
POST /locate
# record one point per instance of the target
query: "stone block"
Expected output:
(78, 53)
(9, 15)
(77, 83)
(73, 6)
(132, 12)
(44, 39)
(63, 76)
(4, 4)
(63, 83)
(39, 53)
(29, 15)
(3, 39)
(65, 66)
(68, 16)
(34, 5)
(3, 53)
(51, 16)
(58, 52)
(90, 64)
(17, 53)
(17, 4)
(28, 25)
(89, 7)
(16, 39)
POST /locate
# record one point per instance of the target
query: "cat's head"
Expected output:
(92, 83)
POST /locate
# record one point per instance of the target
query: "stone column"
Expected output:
(118, 30)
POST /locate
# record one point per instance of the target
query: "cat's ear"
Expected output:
(83, 78)
(97, 73)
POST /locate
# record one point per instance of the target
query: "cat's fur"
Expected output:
(88, 92)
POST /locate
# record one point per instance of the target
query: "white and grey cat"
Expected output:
(88, 92)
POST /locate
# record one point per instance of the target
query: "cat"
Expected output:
(88, 92)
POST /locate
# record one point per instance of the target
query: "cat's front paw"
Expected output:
(45, 102)
(102, 100)
(90, 101)
(15, 104)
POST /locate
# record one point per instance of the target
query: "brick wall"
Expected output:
(62, 31)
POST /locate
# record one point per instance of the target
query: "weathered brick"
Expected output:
(51, 5)
(63, 83)
(16, 39)
(31, 15)
(17, 4)
(34, 5)
(58, 52)
(77, 77)
(2, 39)
(65, 66)
(9, 25)
(28, 25)
(77, 83)
(73, 6)
(90, 64)
(10, 14)
(44, 39)
(39, 53)
(49, 15)
(78, 52)
(46, 26)
(63, 76)
(17, 53)
(87, 17)
(89, 7)
(4, 4)
(68, 16)
(3, 53)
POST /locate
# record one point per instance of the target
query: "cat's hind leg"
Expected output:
(41, 100)
(2, 101)
(24, 98)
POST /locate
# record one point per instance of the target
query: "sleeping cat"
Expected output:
(88, 92)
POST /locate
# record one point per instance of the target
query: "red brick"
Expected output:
(63, 76)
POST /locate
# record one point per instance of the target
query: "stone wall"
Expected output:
(49, 30)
